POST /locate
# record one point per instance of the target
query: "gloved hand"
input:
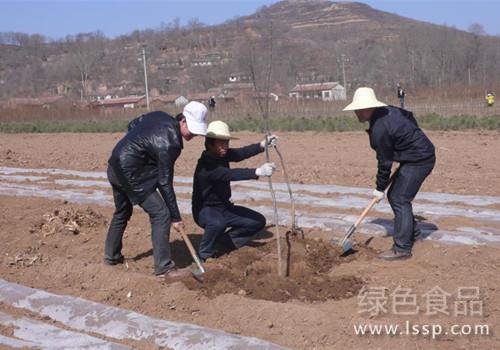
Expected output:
(272, 140)
(266, 169)
(379, 195)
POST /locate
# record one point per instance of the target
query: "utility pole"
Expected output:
(145, 76)
(343, 71)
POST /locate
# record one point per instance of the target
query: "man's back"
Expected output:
(396, 136)
(152, 142)
(146, 135)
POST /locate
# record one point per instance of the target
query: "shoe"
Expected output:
(112, 262)
(391, 254)
(174, 273)
(210, 260)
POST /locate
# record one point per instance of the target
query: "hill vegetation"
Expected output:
(312, 41)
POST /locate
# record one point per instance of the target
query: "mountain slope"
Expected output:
(312, 41)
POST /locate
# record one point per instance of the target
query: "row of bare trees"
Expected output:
(421, 56)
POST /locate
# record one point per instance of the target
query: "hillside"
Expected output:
(312, 41)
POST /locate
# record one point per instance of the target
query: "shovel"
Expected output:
(347, 244)
(199, 270)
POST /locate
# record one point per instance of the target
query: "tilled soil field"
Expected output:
(56, 244)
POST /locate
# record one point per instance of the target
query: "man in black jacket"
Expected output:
(141, 164)
(395, 137)
(212, 208)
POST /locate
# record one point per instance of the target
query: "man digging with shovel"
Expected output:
(395, 137)
(212, 208)
(141, 171)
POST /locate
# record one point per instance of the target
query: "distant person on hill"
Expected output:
(395, 137)
(211, 103)
(490, 99)
(141, 171)
(401, 95)
(211, 202)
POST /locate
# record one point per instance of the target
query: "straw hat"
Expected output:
(219, 130)
(364, 97)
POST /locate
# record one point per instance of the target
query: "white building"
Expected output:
(329, 91)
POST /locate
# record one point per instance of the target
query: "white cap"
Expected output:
(196, 118)
(219, 130)
(364, 97)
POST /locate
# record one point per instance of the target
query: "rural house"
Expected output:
(322, 91)
(121, 102)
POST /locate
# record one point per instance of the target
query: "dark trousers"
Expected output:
(159, 217)
(403, 190)
(243, 223)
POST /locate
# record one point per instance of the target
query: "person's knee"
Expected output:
(258, 222)
(398, 202)
(124, 214)
(215, 225)
(394, 198)
(160, 215)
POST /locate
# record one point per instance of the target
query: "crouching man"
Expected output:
(212, 208)
(395, 137)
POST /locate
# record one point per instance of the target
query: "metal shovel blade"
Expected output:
(347, 244)
(197, 272)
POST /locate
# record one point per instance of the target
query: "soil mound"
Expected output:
(252, 272)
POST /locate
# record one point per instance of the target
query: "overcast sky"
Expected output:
(58, 18)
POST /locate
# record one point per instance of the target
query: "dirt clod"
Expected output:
(68, 220)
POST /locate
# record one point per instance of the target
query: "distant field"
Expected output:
(255, 123)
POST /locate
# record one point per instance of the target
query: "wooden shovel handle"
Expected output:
(191, 249)
(374, 201)
(366, 211)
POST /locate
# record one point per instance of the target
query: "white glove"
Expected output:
(379, 195)
(266, 169)
(272, 140)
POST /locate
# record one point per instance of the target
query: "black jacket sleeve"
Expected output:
(383, 145)
(166, 160)
(239, 154)
(383, 174)
(224, 174)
